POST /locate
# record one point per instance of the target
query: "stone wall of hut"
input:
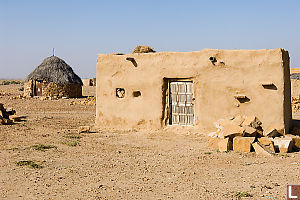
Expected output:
(54, 90)
(28, 88)
(62, 90)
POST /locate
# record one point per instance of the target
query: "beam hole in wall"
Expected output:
(132, 60)
(120, 92)
(269, 85)
(136, 93)
(242, 98)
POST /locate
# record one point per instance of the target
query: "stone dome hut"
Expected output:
(53, 78)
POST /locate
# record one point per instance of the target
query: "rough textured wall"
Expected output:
(62, 90)
(28, 88)
(54, 90)
(235, 72)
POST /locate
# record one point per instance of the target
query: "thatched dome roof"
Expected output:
(56, 70)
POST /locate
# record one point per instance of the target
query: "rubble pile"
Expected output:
(86, 101)
(245, 134)
(7, 116)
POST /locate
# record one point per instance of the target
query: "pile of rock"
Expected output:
(7, 116)
(86, 101)
(245, 134)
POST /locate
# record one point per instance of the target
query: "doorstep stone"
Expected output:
(243, 144)
(231, 131)
(284, 145)
(259, 150)
(267, 143)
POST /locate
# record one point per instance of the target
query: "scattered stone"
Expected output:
(284, 145)
(213, 143)
(260, 132)
(296, 140)
(43, 98)
(249, 132)
(214, 134)
(231, 131)
(252, 121)
(5, 114)
(10, 111)
(267, 143)
(84, 129)
(6, 121)
(259, 150)
(15, 118)
(87, 101)
(221, 122)
(1, 120)
(225, 145)
(272, 133)
(242, 144)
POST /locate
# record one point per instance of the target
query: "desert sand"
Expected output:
(124, 164)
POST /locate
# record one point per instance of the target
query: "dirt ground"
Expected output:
(124, 165)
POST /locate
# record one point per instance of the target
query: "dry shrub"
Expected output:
(143, 49)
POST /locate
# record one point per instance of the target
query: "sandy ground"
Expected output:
(125, 165)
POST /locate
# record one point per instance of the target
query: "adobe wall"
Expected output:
(86, 82)
(236, 72)
(89, 82)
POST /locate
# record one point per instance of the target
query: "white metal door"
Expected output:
(181, 103)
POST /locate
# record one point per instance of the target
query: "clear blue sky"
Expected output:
(79, 30)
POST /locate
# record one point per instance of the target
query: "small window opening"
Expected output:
(136, 93)
(120, 92)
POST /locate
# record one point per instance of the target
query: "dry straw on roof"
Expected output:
(143, 49)
(295, 76)
(56, 70)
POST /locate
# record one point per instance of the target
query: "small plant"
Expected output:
(29, 163)
(14, 149)
(21, 89)
(207, 153)
(41, 147)
(71, 143)
(5, 83)
(10, 82)
(77, 137)
(242, 194)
